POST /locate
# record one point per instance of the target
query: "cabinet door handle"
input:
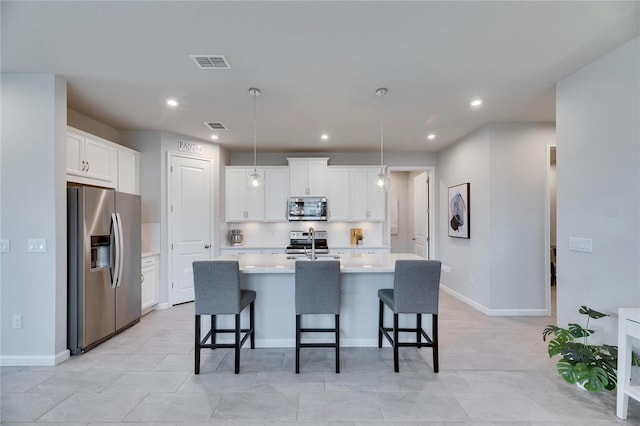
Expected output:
(83, 165)
(87, 166)
(207, 246)
(141, 278)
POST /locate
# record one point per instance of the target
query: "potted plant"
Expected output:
(593, 367)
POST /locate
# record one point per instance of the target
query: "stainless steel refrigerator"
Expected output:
(103, 264)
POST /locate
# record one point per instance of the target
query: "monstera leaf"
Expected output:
(593, 379)
(584, 310)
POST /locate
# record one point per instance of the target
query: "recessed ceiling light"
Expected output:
(214, 137)
(172, 102)
(431, 136)
(476, 102)
(324, 136)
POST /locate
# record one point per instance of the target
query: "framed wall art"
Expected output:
(458, 220)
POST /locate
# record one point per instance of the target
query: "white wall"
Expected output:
(501, 268)
(517, 219)
(598, 157)
(93, 126)
(469, 259)
(33, 205)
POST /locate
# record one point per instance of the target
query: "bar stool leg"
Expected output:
(237, 345)
(418, 329)
(380, 323)
(252, 339)
(197, 351)
(337, 343)
(213, 331)
(396, 364)
(435, 343)
(297, 344)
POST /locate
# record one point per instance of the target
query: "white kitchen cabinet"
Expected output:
(90, 159)
(338, 200)
(242, 204)
(307, 176)
(149, 283)
(128, 171)
(276, 186)
(367, 203)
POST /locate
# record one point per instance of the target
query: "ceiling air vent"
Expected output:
(215, 125)
(211, 62)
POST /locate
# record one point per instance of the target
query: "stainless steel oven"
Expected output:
(300, 242)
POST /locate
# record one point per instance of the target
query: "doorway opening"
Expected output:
(550, 246)
(411, 218)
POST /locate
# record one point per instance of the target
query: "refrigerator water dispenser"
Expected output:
(100, 251)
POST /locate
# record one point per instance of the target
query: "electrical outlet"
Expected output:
(472, 280)
(5, 246)
(17, 321)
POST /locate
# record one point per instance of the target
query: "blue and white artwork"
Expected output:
(458, 220)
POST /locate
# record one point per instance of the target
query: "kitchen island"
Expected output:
(272, 277)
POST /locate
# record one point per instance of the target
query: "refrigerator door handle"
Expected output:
(121, 246)
(115, 276)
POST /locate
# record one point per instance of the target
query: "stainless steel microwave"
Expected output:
(307, 208)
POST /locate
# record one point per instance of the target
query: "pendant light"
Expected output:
(382, 180)
(255, 182)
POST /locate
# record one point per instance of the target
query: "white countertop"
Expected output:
(349, 263)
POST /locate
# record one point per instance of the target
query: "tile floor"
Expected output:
(493, 371)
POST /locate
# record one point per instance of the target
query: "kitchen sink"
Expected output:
(318, 257)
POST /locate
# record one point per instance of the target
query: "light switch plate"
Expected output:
(584, 245)
(36, 245)
(5, 246)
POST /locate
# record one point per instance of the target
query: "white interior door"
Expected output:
(190, 212)
(421, 214)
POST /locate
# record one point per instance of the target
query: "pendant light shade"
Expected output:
(382, 181)
(255, 182)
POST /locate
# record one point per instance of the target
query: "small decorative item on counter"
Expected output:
(355, 235)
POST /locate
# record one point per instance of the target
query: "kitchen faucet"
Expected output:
(312, 235)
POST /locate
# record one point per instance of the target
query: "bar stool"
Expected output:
(217, 292)
(415, 291)
(317, 292)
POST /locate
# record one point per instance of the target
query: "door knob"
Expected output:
(413, 239)
(207, 246)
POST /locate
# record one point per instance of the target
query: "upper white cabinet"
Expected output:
(307, 176)
(128, 171)
(367, 203)
(338, 193)
(276, 193)
(90, 159)
(242, 204)
(95, 161)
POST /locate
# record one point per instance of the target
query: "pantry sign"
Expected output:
(190, 147)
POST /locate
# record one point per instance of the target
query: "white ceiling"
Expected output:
(318, 64)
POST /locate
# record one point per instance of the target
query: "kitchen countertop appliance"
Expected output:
(104, 264)
(236, 237)
(300, 242)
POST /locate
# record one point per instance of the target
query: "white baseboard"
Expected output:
(162, 306)
(34, 360)
(495, 312)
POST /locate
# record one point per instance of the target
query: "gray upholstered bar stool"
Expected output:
(317, 292)
(415, 290)
(217, 292)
